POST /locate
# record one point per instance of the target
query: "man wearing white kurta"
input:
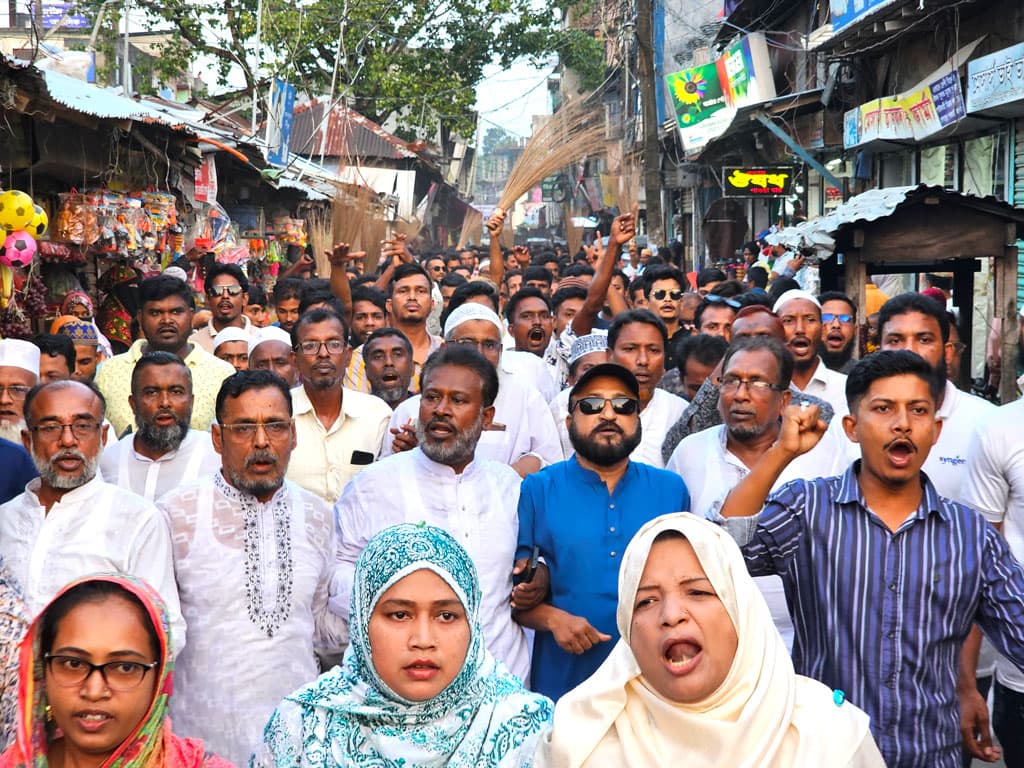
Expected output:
(443, 483)
(163, 453)
(523, 434)
(69, 523)
(253, 556)
(800, 313)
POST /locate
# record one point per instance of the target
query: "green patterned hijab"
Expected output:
(350, 717)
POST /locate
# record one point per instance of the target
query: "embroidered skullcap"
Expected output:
(584, 345)
(80, 332)
(472, 311)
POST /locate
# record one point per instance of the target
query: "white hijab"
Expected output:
(762, 715)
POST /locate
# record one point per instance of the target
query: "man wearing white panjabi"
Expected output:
(163, 453)
(444, 483)
(253, 556)
(523, 434)
(19, 372)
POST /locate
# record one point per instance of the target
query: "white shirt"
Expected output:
(324, 460)
(829, 385)
(206, 337)
(97, 527)
(994, 485)
(946, 465)
(530, 369)
(710, 470)
(522, 424)
(122, 465)
(253, 580)
(478, 507)
(663, 410)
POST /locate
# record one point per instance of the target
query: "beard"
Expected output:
(454, 451)
(164, 439)
(604, 454)
(836, 360)
(12, 430)
(390, 395)
(743, 433)
(262, 485)
(62, 481)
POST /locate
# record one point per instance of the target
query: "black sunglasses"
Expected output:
(661, 294)
(590, 406)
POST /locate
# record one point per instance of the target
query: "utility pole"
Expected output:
(649, 117)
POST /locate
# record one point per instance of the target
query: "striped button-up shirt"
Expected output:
(881, 615)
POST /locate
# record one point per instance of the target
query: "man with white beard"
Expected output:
(164, 452)
(19, 372)
(70, 523)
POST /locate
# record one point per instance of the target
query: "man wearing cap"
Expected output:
(587, 351)
(580, 514)
(270, 349)
(522, 434)
(87, 351)
(164, 452)
(227, 293)
(444, 481)
(232, 346)
(19, 372)
(800, 313)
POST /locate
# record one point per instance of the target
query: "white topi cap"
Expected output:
(231, 333)
(15, 353)
(270, 333)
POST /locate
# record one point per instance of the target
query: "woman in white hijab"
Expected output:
(701, 677)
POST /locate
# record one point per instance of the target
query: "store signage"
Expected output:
(774, 181)
(63, 14)
(705, 98)
(554, 189)
(910, 116)
(996, 79)
(279, 121)
(847, 12)
(206, 180)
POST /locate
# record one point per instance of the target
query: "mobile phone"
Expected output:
(531, 568)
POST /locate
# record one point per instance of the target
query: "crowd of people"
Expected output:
(507, 509)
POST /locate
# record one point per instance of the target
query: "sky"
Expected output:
(509, 98)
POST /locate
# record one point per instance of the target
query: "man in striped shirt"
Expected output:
(884, 577)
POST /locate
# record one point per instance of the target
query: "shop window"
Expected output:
(897, 169)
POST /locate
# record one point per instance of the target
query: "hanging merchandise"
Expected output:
(16, 210)
(290, 231)
(17, 250)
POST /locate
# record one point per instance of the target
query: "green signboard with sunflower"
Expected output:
(696, 94)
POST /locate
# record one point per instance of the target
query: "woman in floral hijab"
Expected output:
(417, 686)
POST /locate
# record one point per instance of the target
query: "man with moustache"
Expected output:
(227, 293)
(271, 350)
(388, 356)
(530, 321)
(445, 483)
(19, 372)
(579, 515)
(800, 313)
(340, 431)
(253, 554)
(839, 331)
(69, 522)
(164, 452)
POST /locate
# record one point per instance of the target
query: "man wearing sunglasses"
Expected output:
(579, 514)
(664, 292)
(227, 294)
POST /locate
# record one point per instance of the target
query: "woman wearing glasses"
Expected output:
(95, 679)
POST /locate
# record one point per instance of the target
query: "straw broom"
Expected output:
(629, 184)
(472, 227)
(576, 130)
(573, 234)
(320, 225)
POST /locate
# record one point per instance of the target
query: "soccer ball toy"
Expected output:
(40, 221)
(17, 250)
(16, 210)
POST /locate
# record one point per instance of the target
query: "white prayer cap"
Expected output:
(16, 353)
(270, 333)
(796, 293)
(584, 345)
(231, 333)
(177, 272)
(472, 311)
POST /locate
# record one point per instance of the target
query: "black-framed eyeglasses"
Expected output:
(714, 298)
(660, 295)
(312, 348)
(590, 406)
(82, 430)
(829, 317)
(69, 671)
(730, 385)
(485, 345)
(224, 290)
(17, 392)
(247, 430)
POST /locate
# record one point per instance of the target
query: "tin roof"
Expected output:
(348, 133)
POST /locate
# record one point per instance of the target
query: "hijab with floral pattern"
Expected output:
(350, 717)
(151, 744)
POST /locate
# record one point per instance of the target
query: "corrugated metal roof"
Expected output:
(92, 100)
(348, 134)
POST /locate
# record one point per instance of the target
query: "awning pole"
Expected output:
(800, 152)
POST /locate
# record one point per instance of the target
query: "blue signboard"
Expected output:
(54, 14)
(846, 12)
(279, 121)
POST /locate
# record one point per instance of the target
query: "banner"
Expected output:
(846, 12)
(996, 79)
(206, 180)
(279, 121)
(914, 115)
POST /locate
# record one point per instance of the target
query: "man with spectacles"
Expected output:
(165, 319)
(522, 434)
(254, 555)
(69, 522)
(664, 290)
(227, 294)
(19, 371)
(446, 482)
(753, 394)
(839, 334)
(800, 313)
(580, 514)
(164, 452)
(340, 430)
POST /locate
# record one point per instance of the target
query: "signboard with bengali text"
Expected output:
(766, 181)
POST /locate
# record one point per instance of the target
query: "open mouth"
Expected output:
(92, 721)
(799, 344)
(422, 670)
(900, 452)
(682, 656)
(536, 334)
(440, 430)
(389, 377)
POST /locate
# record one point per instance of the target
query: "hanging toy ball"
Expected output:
(16, 210)
(17, 250)
(40, 221)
